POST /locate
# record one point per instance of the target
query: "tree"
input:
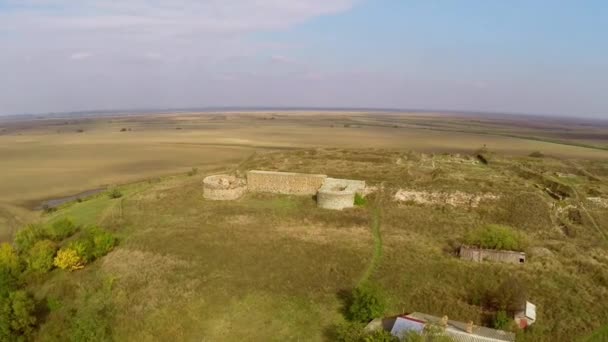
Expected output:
(102, 241)
(68, 258)
(367, 303)
(62, 229)
(17, 318)
(28, 236)
(40, 257)
(10, 268)
(9, 260)
(510, 296)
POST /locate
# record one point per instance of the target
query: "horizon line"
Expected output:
(297, 108)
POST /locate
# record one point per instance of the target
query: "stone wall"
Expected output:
(339, 194)
(223, 188)
(284, 182)
(480, 255)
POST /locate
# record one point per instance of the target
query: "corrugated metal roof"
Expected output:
(404, 325)
(458, 330)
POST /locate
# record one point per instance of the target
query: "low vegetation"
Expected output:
(115, 193)
(367, 302)
(37, 252)
(360, 201)
(496, 237)
(188, 269)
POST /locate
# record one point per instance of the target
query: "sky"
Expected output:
(512, 56)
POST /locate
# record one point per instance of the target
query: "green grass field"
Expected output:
(275, 268)
(272, 267)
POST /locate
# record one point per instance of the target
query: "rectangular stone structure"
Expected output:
(480, 255)
(288, 183)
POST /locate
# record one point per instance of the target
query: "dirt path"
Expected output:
(376, 215)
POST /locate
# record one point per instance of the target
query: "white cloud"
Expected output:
(172, 16)
(147, 43)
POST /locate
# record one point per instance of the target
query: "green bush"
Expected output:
(103, 242)
(367, 303)
(93, 243)
(92, 320)
(502, 320)
(510, 296)
(28, 236)
(349, 332)
(360, 200)
(114, 193)
(10, 268)
(40, 257)
(84, 248)
(17, 318)
(355, 332)
(62, 229)
(496, 237)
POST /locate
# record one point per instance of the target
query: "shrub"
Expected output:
(92, 244)
(48, 209)
(502, 321)
(84, 247)
(10, 268)
(367, 303)
(510, 296)
(28, 236)
(92, 319)
(40, 257)
(17, 318)
(496, 237)
(103, 242)
(114, 193)
(193, 172)
(380, 335)
(355, 332)
(62, 229)
(349, 332)
(536, 154)
(68, 258)
(9, 260)
(360, 200)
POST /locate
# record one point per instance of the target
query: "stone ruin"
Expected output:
(477, 254)
(331, 193)
(223, 188)
(338, 194)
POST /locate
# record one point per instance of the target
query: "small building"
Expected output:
(480, 254)
(526, 317)
(421, 324)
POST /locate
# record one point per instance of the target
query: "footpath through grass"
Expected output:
(375, 225)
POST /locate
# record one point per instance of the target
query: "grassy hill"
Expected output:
(270, 267)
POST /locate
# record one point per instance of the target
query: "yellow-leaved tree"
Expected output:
(69, 258)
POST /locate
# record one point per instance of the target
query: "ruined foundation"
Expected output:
(480, 255)
(223, 188)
